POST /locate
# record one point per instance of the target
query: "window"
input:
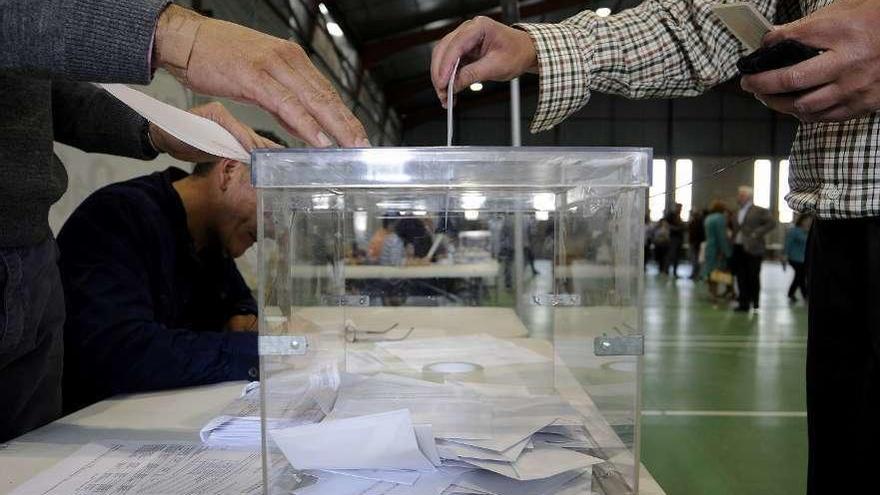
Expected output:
(657, 191)
(684, 189)
(762, 183)
(786, 215)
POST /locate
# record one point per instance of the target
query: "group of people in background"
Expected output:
(726, 248)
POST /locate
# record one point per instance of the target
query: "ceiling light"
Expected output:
(603, 12)
(477, 86)
(323, 8)
(334, 29)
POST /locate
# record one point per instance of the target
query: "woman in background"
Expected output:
(795, 253)
(718, 249)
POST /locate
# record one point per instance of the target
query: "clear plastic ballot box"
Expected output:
(451, 320)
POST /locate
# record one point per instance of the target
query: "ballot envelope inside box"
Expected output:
(450, 320)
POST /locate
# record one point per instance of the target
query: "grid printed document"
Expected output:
(150, 468)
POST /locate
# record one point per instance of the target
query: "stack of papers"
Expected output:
(395, 435)
(301, 399)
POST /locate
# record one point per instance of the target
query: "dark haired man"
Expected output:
(154, 298)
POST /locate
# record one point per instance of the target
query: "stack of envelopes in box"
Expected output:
(387, 434)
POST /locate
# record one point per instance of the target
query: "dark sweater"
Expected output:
(144, 310)
(44, 46)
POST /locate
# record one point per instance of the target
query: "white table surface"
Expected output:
(178, 415)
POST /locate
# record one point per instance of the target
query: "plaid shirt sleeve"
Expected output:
(660, 49)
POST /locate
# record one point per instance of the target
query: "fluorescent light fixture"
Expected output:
(472, 201)
(786, 215)
(684, 186)
(603, 12)
(360, 222)
(471, 214)
(477, 86)
(762, 179)
(542, 216)
(420, 213)
(334, 29)
(323, 8)
(657, 191)
(544, 201)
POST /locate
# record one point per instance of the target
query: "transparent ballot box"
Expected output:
(451, 320)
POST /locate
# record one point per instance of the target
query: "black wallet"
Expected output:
(782, 54)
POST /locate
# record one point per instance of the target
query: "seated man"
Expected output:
(154, 298)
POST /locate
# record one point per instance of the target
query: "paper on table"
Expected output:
(391, 476)
(427, 444)
(384, 441)
(432, 483)
(451, 411)
(150, 468)
(538, 463)
(470, 452)
(500, 485)
(192, 129)
(509, 432)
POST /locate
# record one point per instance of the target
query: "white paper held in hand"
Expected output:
(745, 22)
(196, 131)
(449, 100)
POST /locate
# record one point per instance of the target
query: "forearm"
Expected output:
(662, 48)
(89, 118)
(150, 356)
(85, 40)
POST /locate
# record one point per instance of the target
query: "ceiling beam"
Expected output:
(375, 51)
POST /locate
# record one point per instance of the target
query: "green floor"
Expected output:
(723, 392)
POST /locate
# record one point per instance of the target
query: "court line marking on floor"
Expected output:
(743, 414)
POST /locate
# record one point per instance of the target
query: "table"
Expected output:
(427, 321)
(178, 415)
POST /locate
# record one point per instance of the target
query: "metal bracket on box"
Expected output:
(283, 345)
(623, 345)
(348, 300)
(557, 299)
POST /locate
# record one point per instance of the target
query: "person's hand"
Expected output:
(489, 51)
(222, 59)
(841, 83)
(249, 139)
(242, 323)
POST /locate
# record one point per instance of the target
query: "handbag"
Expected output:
(722, 277)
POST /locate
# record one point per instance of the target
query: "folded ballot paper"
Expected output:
(397, 435)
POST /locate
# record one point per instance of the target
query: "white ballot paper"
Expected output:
(496, 484)
(745, 22)
(150, 468)
(538, 463)
(196, 131)
(382, 441)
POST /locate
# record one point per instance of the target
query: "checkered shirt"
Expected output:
(674, 48)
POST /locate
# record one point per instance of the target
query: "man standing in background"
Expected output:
(751, 226)
(676, 237)
(696, 238)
